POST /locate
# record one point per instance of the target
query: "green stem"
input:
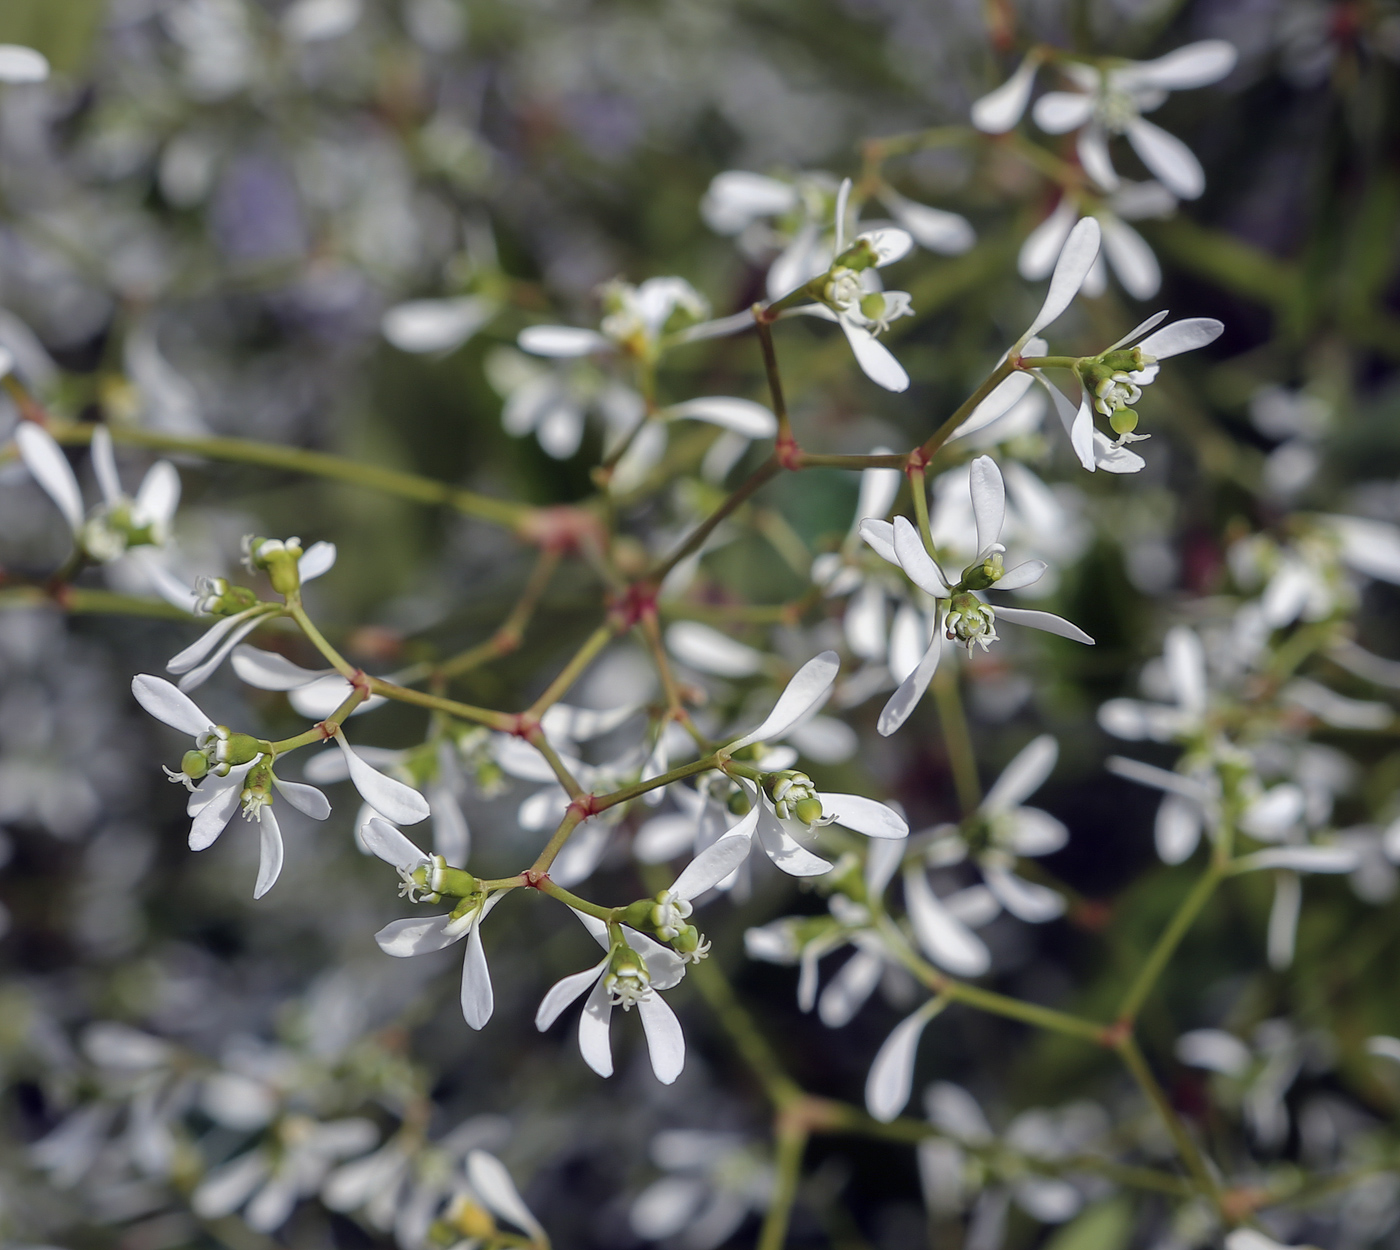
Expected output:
(965, 409)
(572, 819)
(609, 915)
(572, 671)
(792, 1144)
(602, 802)
(1191, 1156)
(537, 740)
(957, 738)
(1048, 362)
(775, 381)
(502, 721)
(512, 631)
(1167, 943)
(316, 463)
(73, 599)
(761, 476)
(318, 640)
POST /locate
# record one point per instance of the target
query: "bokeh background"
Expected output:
(204, 217)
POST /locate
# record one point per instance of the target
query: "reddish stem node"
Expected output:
(585, 805)
(918, 461)
(788, 452)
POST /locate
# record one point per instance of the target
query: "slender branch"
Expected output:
(502, 721)
(608, 914)
(318, 640)
(957, 738)
(775, 381)
(316, 463)
(537, 740)
(75, 599)
(1167, 943)
(601, 802)
(792, 1144)
(761, 476)
(572, 819)
(965, 409)
(512, 630)
(572, 671)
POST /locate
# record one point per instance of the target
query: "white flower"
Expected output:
(267, 1182)
(850, 295)
(714, 1182)
(1127, 252)
(393, 800)
(436, 326)
(314, 693)
(1114, 101)
(1002, 830)
(19, 64)
(630, 974)
(120, 522)
(635, 321)
(962, 612)
(413, 936)
(198, 662)
(229, 768)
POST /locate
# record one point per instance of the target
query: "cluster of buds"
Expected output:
(215, 596)
(627, 980)
(794, 797)
(431, 880)
(217, 751)
(969, 620)
(1115, 380)
(278, 558)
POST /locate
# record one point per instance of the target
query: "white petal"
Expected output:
(1384, 1047)
(843, 200)
(664, 837)
(477, 999)
(1003, 398)
(1133, 261)
(809, 689)
(319, 698)
(866, 816)
(892, 1074)
(207, 642)
(879, 536)
(19, 64)
(315, 561)
(159, 494)
(452, 836)
(169, 705)
(740, 415)
(889, 244)
(707, 649)
(1024, 775)
(493, 1185)
(1186, 668)
(1158, 778)
(383, 840)
(1274, 813)
(1046, 621)
(878, 488)
(1166, 156)
(947, 941)
(269, 852)
(915, 560)
(1326, 859)
(594, 1042)
(306, 799)
(785, 851)
(226, 1188)
(243, 625)
(1092, 148)
(1177, 831)
(876, 360)
(826, 739)
(998, 111)
(1195, 65)
(1370, 547)
(564, 992)
(1033, 832)
(1251, 1239)
(736, 197)
(1335, 709)
(716, 862)
(104, 465)
(1141, 328)
(1042, 247)
(1113, 459)
(864, 622)
(1182, 336)
(391, 799)
(436, 325)
(1026, 900)
(1047, 1198)
(1214, 1050)
(560, 431)
(214, 805)
(1059, 111)
(665, 1041)
(805, 257)
(911, 689)
(1283, 919)
(667, 1206)
(1022, 575)
(418, 935)
(936, 230)
(45, 460)
(951, 1108)
(267, 670)
(882, 860)
(1076, 259)
(849, 989)
(562, 341)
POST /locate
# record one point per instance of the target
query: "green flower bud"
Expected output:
(641, 914)
(808, 811)
(238, 749)
(215, 597)
(454, 882)
(1123, 421)
(738, 802)
(279, 559)
(793, 793)
(195, 765)
(984, 573)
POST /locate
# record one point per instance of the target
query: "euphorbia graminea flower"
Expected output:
(712, 1183)
(787, 800)
(849, 294)
(635, 320)
(962, 613)
(1003, 830)
(393, 800)
(268, 1181)
(120, 523)
(998, 111)
(420, 936)
(932, 228)
(223, 770)
(239, 613)
(631, 974)
(1115, 99)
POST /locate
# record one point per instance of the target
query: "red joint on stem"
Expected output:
(585, 805)
(62, 594)
(562, 529)
(1116, 1034)
(503, 642)
(916, 462)
(788, 452)
(634, 604)
(327, 732)
(359, 680)
(533, 877)
(522, 725)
